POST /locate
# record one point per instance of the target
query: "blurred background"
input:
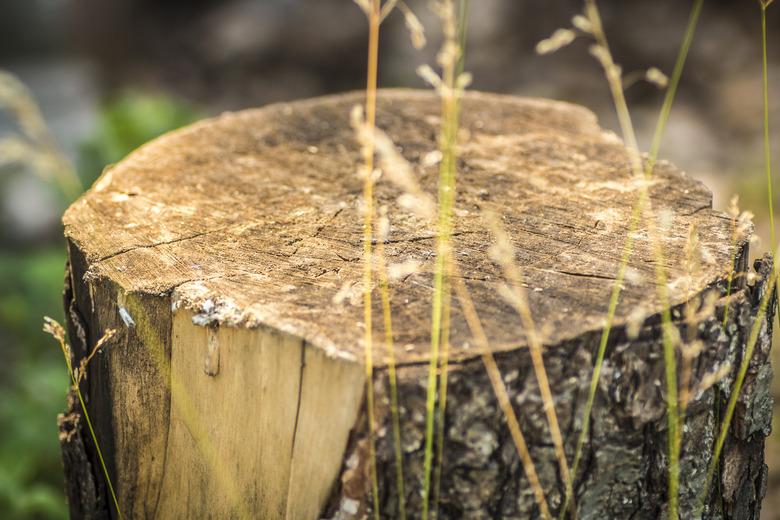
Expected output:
(110, 75)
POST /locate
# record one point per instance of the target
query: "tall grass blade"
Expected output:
(639, 208)
(443, 372)
(613, 75)
(374, 20)
(674, 82)
(731, 406)
(463, 32)
(449, 168)
(446, 194)
(767, 147)
(499, 389)
(672, 400)
(770, 286)
(392, 376)
(56, 330)
(99, 451)
(448, 58)
(503, 253)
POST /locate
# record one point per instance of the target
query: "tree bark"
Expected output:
(624, 470)
(228, 258)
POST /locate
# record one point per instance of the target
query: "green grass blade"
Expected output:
(58, 333)
(463, 30)
(755, 330)
(97, 447)
(594, 381)
(446, 196)
(771, 283)
(447, 302)
(393, 379)
(447, 145)
(636, 216)
(767, 147)
(674, 82)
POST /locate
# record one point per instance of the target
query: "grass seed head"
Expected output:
(432, 158)
(665, 220)
(712, 379)
(502, 251)
(692, 350)
(383, 225)
(734, 206)
(388, 8)
(508, 294)
(635, 321)
(413, 25)
(463, 82)
(429, 76)
(744, 223)
(559, 39)
(81, 371)
(52, 326)
(582, 23)
(656, 77)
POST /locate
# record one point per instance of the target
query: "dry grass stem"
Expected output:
(81, 372)
(503, 254)
(53, 328)
(747, 356)
(742, 224)
(499, 388)
(391, 367)
(37, 149)
(373, 14)
(179, 397)
(590, 23)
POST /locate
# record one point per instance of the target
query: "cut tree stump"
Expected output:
(234, 387)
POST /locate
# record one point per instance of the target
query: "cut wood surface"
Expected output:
(236, 385)
(259, 213)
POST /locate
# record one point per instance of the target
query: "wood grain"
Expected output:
(258, 214)
(234, 386)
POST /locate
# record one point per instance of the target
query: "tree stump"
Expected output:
(234, 386)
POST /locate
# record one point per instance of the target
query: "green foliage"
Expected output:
(33, 378)
(127, 122)
(33, 391)
(26, 281)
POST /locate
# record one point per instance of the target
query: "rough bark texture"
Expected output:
(216, 253)
(624, 471)
(83, 485)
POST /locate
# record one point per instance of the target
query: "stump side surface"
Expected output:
(255, 218)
